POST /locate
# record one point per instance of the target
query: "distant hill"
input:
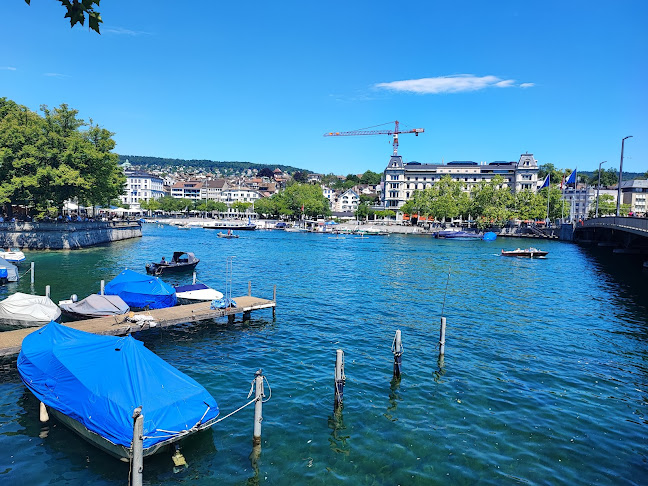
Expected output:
(627, 176)
(208, 165)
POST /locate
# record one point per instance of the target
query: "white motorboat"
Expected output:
(12, 256)
(8, 271)
(197, 292)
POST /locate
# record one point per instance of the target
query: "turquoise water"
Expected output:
(545, 377)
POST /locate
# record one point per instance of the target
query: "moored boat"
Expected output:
(458, 235)
(8, 272)
(526, 253)
(12, 256)
(95, 305)
(230, 225)
(97, 401)
(25, 310)
(180, 261)
(142, 291)
(227, 235)
(197, 292)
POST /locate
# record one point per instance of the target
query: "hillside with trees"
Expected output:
(166, 164)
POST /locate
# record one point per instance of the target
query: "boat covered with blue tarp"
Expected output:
(94, 383)
(142, 291)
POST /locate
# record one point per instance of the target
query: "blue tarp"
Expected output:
(141, 291)
(100, 380)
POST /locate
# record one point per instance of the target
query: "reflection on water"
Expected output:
(339, 440)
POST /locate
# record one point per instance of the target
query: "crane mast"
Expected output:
(366, 131)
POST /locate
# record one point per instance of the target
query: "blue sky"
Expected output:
(263, 81)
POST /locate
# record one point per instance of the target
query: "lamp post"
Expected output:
(618, 211)
(598, 187)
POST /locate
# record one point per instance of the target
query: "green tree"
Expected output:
(266, 207)
(491, 202)
(530, 206)
(609, 177)
(370, 177)
(299, 176)
(240, 206)
(77, 11)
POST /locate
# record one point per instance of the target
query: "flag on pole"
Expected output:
(572, 177)
(545, 183)
(562, 182)
(302, 207)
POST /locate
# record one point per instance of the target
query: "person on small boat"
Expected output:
(163, 260)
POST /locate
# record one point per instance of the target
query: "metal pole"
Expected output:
(32, 273)
(598, 187)
(47, 291)
(194, 279)
(103, 287)
(442, 336)
(397, 349)
(339, 377)
(618, 211)
(258, 406)
(249, 288)
(137, 447)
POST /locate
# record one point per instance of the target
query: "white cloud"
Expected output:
(122, 31)
(8, 68)
(450, 84)
(56, 75)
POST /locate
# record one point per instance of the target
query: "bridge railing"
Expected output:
(640, 224)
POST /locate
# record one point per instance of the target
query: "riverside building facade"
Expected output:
(400, 180)
(141, 186)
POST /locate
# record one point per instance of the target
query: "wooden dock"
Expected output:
(10, 341)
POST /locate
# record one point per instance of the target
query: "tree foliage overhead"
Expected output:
(47, 160)
(77, 11)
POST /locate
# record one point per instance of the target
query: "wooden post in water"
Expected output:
(274, 299)
(442, 337)
(137, 448)
(249, 288)
(103, 286)
(193, 282)
(258, 407)
(397, 349)
(339, 377)
(43, 415)
(47, 291)
(32, 273)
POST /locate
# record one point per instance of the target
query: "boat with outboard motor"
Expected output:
(141, 291)
(197, 292)
(230, 225)
(97, 401)
(526, 253)
(458, 235)
(180, 261)
(229, 234)
(8, 272)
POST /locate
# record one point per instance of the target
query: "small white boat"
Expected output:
(198, 292)
(12, 256)
(526, 253)
(8, 271)
(227, 235)
(25, 310)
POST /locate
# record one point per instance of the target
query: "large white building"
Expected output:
(401, 180)
(141, 186)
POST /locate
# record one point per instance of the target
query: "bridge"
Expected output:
(624, 235)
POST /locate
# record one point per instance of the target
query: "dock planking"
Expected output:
(10, 341)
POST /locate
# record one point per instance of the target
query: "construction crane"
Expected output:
(368, 131)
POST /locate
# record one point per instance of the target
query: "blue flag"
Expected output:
(572, 177)
(545, 183)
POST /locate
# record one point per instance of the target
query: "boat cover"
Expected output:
(37, 309)
(141, 290)
(100, 380)
(98, 305)
(12, 270)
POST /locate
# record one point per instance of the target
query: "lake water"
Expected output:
(545, 377)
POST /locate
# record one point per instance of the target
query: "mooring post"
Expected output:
(230, 319)
(47, 291)
(193, 282)
(442, 337)
(247, 315)
(43, 415)
(274, 299)
(137, 448)
(397, 349)
(32, 273)
(258, 407)
(339, 377)
(249, 288)
(103, 286)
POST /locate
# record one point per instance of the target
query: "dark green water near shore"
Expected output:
(545, 378)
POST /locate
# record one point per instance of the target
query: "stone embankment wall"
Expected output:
(65, 236)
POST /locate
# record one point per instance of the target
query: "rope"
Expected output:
(21, 276)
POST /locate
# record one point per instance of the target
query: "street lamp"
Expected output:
(618, 211)
(598, 187)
